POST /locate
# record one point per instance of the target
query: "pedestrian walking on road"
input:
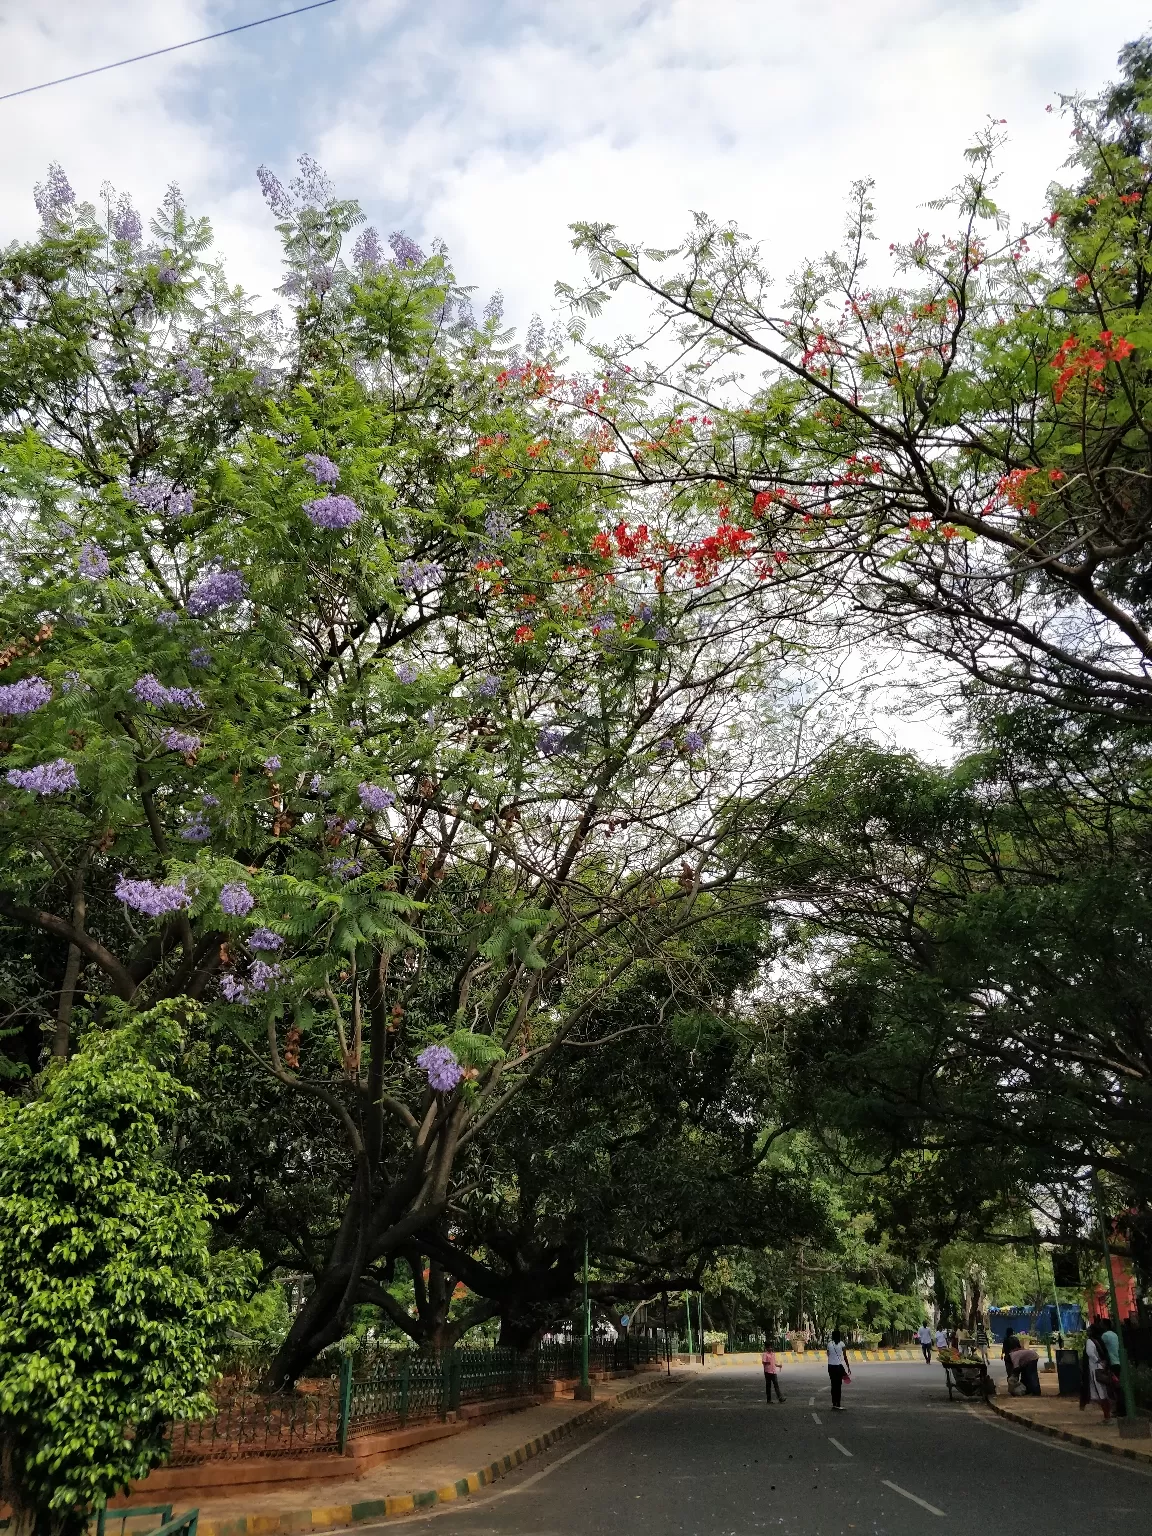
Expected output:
(771, 1374)
(839, 1368)
(982, 1341)
(924, 1334)
(941, 1339)
(1097, 1371)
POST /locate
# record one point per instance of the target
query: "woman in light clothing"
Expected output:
(771, 1374)
(839, 1369)
(1098, 1370)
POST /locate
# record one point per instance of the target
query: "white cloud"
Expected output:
(495, 125)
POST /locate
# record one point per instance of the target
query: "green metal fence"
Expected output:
(381, 1389)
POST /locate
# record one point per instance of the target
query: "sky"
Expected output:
(494, 125)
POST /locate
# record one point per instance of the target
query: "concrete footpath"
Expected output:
(437, 1473)
(1063, 1418)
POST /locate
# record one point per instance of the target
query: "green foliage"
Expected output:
(114, 1308)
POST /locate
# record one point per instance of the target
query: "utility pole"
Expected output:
(583, 1392)
(1131, 1428)
(701, 1315)
(688, 1318)
(667, 1341)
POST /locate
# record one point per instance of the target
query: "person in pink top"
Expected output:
(771, 1374)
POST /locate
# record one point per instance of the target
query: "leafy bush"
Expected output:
(114, 1310)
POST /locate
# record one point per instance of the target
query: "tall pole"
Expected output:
(1125, 1368)
(667, 1341)
(701, 1315)
(1040, 1290)
(585, 1384)
(688, 1317)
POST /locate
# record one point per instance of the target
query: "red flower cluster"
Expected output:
(1019, 487)
(1077, 358)
(524, 634)
(703, 558)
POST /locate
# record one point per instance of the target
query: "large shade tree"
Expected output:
(342, 695)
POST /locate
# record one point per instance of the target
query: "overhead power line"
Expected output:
(244, 26)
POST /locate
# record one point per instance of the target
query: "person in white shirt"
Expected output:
(924, 1334)
(839, 1370)
(941, 1338)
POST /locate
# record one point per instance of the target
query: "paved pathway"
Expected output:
(709, 1458)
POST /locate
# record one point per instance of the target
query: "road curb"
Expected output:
(335, 1517)
(1126, 1452)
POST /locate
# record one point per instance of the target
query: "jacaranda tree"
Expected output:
(343, 695)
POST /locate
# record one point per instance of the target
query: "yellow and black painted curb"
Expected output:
(336, 1516)
(1128, 1452)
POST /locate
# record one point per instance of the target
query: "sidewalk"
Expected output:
(1062, 1417)
(430, 1474)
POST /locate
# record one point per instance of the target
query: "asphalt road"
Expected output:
(710, 1458)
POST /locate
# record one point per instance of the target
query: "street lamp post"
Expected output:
(1131, 1428)
(584, 1391)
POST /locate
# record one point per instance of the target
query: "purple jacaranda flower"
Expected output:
(168, 618)
(405, 252)
(261, 975)
(180, 741)
(551, 741)
(199, 657)
(443, 1070)
(489, 686)
(665, 744)
(497, 527)
(53, 778)
(374, 798)
(264, 938)
(315, 785)
(73, 683)
(236, 899)
(419, 575)
(216, 591)
(195, 829)
(603, 622)
(195, 379)
(126, 224)
(23, 697)
(407, 672)
(93, 562)
(209, 800)
(347, 869)
(138, 387)
(644, 612)
(274, 193)
(151, 899)
(321, 468)
(271, 763)
(150, 691)
(366, 253)
(311, 186)
(494, 309)
(264, 378)
(661, 634)
(332, 512)
(233, 990)
(53, 194)
(168, 274)
(693, 742)
(321, 276)
(159, 494)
